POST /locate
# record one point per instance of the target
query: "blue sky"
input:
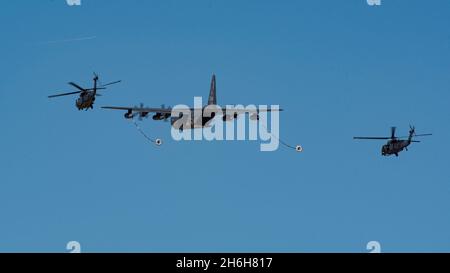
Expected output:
(338, 68)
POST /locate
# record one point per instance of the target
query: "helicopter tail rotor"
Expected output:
(412, 130)
(101, 86)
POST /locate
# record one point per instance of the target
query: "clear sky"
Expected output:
(338, 68)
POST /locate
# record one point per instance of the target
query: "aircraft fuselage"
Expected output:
(85, 101)
(193, 122)
(393, 147)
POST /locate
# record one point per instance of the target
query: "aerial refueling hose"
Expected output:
(297, 148)
(157, 141)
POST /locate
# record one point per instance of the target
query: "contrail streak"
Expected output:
(69, 40)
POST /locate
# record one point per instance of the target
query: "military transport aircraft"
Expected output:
(203, 121)
(396, 144)
(87, 96)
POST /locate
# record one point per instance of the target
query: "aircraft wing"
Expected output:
(167, 112)
(243, 111)
(249, 111)
(140, 109)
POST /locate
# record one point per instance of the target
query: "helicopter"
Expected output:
(87, 96)
(395, 145)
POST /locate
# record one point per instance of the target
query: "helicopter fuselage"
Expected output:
(86, 100)
(393, 147)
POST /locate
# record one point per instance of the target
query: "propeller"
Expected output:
(141, 115)
(166, 116)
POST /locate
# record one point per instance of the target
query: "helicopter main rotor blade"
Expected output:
(375, 138)
(421, 135)
(111, 83)
(393, 129)
(77, 86)
(98, 88)
(65, 94)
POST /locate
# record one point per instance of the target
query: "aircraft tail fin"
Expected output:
(212, 99)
